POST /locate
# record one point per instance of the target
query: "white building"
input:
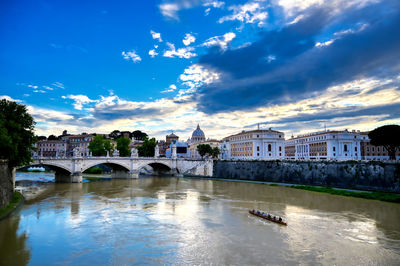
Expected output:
(255, 144)
(325, 145)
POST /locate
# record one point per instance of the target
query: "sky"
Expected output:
(159, 66)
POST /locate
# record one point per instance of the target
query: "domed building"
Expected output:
(197, 135)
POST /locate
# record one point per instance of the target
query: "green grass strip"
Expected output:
(390, 197)
(4, 212)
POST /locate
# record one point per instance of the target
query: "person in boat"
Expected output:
(258, 212)
(263, 214)
(280, 219)
(253, 211)
(269, 216)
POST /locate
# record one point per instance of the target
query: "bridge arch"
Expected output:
(58, 168)
(158, 167)
(113, 165)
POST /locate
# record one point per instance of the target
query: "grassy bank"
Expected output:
(390, 197)
(15, 203)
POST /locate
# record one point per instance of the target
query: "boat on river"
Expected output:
(270, 218)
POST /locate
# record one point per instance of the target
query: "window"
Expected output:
(334, 148)
(373, 148)
(355, 148)
(280, 148)
(269, 147)
(258, 154)
(345, 147)
(258, 148)
(257, 136)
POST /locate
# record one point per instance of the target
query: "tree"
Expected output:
(108, 146)
(52, 137)
(204, 149)
(387, 136)
(96, 146)
(123, 147)
(115, 134)
(16, 133)
(41, 138)
(147, 148)
(215, 152)
(139, 135)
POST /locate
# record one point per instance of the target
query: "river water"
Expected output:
(164, 220)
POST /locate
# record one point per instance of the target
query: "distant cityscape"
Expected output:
(257, 144)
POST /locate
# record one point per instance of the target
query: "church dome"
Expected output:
(198, 132)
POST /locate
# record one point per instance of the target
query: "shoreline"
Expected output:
(354, 193)
(15, 204)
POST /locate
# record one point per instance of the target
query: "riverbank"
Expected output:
(31, 189)
(18, 200)
(372, 195)
(371, 176)
(389, 197)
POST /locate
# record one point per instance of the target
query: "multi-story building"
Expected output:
(81, 141)
(263, 144)
(325, 145)
(51, 148)
(371, 152)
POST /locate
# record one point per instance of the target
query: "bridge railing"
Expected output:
(110, 157)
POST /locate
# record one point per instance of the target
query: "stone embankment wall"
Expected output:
(350, 174)
(7, 179)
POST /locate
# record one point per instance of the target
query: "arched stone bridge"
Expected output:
(71, 169)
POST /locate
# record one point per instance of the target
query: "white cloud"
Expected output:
(207, 11)
(181, 52)
(214, 4)
(153, 53)
(131, 56)
(39, 91)
(170, 10)
(8, 98)
(156, 35)
(251, 12)
(221, 41)
(59, 85)
(195, 76)
(171, 88)
(189, 38)
(33, 86)
(48, 88)
(79, 100)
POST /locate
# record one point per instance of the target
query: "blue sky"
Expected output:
(158, 66)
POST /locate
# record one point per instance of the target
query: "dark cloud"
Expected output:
(113, 114)
(251, 77)
(301, 121)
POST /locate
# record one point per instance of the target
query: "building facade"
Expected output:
(371, 152)
(51, 148)
(193, 153)
(78, 141)
(325, 145)
(259, 144)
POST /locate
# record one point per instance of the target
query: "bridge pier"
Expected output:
(124, 174)
(68, 178)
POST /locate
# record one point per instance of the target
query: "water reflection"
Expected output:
(14, 250)
(176, 220)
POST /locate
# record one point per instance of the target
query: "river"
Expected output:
(165, 220)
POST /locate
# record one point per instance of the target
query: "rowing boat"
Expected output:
(267, 218)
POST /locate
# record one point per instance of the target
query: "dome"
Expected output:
(198, 132)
